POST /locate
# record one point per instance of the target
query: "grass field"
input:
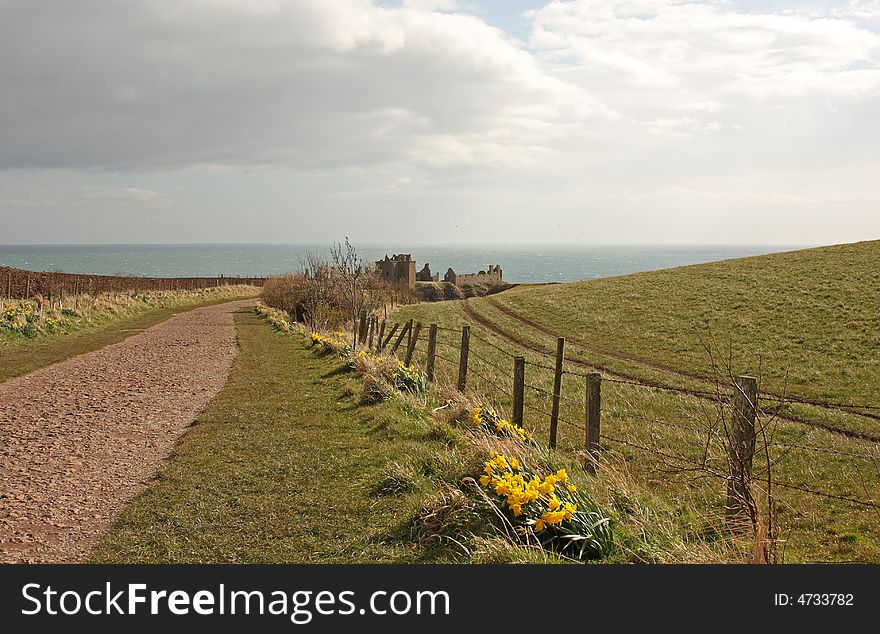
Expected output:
(806, 323)
(119, 320)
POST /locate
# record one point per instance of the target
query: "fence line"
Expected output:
(18, 284)
(834, 496)
(741, 401)
(827, 450)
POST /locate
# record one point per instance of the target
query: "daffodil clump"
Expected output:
(24, 318)
(332, 343)
(562, 518)
(276, 318)
(487, 418)
(408, 378)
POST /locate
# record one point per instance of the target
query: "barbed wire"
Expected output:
(572, 424)
(539, 390)
(826, 450)
(491, 364)
(652, 451)
(675, 459)
(444, 344)
(551, 395)
(492, 383)
(540, 365)
(834, 496)
(802, 400)
(536, 409)
(663, 387)
(849, 408)
(491, 345)
(446, 359)
(660, 421)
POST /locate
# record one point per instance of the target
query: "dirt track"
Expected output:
(592, 365)
(80, 438)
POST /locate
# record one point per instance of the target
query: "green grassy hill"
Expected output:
(806, 323)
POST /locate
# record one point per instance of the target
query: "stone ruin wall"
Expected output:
(492, 276)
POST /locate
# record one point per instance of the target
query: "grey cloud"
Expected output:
(314, 84)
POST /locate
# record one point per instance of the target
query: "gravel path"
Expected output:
(81, 438)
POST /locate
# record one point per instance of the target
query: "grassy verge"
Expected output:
(279, 468)
(20, 355)
(290, 463)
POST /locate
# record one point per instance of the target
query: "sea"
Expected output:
(519, 263)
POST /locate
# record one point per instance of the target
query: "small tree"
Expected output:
(319, 301)
(355, 284)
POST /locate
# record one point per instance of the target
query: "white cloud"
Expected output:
(686, 51)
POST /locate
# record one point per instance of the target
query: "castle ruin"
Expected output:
(490, 276)
(400, 270)
(425, 275)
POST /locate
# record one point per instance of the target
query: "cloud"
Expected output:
(313, 84)
(26, 189)
(684, 53)
(138, 195)
(301, 111)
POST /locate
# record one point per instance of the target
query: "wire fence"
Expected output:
(693, 432)
(22, 284)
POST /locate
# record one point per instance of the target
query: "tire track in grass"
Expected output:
(849, 409)
(792, 418)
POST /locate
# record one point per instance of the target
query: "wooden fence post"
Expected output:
(742, 445)
(557, 391)
(379, 338)
(362, 328)
(27, 292)
(432, 351)
(411, 348)
(9, 285)
(519, 389)
(406, 329)
(593, 410)
(463, 358)
(371, 329)
(390, 334)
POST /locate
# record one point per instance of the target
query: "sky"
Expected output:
(448, 122)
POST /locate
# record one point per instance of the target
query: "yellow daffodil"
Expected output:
(546, 488)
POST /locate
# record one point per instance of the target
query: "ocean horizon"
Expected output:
(520, 262)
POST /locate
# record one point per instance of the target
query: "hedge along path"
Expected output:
(82, 437)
